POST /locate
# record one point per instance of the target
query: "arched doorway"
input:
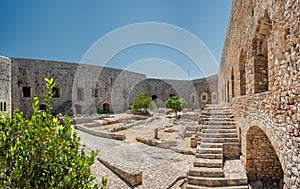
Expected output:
(154, 97)
(106, 107)
(43, 107)
(262, 162)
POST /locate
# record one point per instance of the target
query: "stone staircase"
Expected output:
(216, 128)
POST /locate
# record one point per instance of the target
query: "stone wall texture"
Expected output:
(90, 89)
(259, 76)
(5, 87)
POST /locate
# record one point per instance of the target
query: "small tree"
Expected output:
(175, 104)
(42, 152)
(142, 103)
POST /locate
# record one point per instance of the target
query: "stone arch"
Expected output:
(242, 69)
(106, 107)
(154, 97)
(260, 53)
(262, 160)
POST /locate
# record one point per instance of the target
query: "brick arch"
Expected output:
(262, 160)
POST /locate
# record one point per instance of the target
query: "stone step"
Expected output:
(216, 181)
(218, 126)
(219, 130)
(209, 156)
(192, 128)
(210, 163)
(218, 115)
(191, 186)
(209, 150)
(189, 133)
(206, 172)
(220, 135)
(211, 118)
(218, 123)
(219, 140)
(216, 112)
(210, 145)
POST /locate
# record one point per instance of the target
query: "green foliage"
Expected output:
(42, 152)
(175, 103)
(142, 103)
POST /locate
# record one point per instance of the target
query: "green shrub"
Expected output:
(175, 103)
(42, 152)
(142, 103)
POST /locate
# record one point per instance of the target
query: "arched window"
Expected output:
(106, 107)
(260, 53)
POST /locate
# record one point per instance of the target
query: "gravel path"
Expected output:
(160, 166)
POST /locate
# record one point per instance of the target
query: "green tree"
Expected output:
(175, 103)
(142, 103)
(42, 152)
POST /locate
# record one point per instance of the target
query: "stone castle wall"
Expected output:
(90, 89)
(5, 87)
(259, 76)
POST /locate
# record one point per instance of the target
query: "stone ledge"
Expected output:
(158, 143)
(132, 176)
(99, 133)
(185, 151)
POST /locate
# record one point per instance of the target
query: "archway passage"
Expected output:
(106, 107)
(262, 163)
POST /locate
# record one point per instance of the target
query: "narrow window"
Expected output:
(232, 83)
(56, 93)
(26, 92)
(242, 73)
(4, 106)
(1, 106)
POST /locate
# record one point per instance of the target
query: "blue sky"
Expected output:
(66, 30)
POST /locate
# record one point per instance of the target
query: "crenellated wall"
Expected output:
(259, 76)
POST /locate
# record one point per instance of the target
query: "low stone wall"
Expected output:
(231, 150)
(132, 176)
(157, 143)
(100, 134)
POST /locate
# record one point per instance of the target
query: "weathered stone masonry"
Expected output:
(259, 76)
(5, 87)
(90, 89)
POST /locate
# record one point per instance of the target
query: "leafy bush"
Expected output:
(142, 103)
(175, 103)
(42, 152)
